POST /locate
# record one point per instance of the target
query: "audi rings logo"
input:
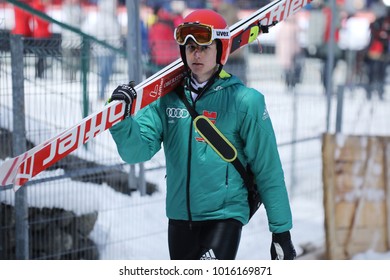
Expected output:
(178, 113)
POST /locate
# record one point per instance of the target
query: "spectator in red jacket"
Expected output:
(29, 25)
(162, 45)
(378, 55)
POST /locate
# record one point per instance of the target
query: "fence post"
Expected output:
(330, 62)
(294, 128)
(339, 108)
(19, 144)
(85, 56)
(135, 73)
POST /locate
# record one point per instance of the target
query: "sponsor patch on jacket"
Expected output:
(177, 113)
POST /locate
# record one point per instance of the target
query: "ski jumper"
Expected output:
(200, 185)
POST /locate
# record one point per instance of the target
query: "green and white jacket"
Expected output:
(200, 185)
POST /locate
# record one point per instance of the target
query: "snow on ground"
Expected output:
(149, 216)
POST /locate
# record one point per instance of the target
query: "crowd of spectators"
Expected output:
(361, 33)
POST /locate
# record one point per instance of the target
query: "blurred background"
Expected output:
(325, 76)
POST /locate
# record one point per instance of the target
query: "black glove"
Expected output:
(282, 247)
(125, 93)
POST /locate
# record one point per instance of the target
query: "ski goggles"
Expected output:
(202, 34)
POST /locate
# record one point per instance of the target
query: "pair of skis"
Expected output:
(22, 168)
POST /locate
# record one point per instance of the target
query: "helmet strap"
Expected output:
(219, 51)
(183, 56)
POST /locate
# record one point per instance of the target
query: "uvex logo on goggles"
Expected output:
(202, 34)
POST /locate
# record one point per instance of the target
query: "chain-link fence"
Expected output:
(84, 207)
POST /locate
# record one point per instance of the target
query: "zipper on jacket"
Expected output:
(188, 180)
(227, 176)
(188, 197)
(186, 87)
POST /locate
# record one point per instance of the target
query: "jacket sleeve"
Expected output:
(138, 138)
(261, 152)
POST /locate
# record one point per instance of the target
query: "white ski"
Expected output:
(22, 168)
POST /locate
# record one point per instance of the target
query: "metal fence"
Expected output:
(84, 207)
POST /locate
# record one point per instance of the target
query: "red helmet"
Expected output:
(204, 26)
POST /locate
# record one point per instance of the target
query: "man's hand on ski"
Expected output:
(282, 247)
(125, 93)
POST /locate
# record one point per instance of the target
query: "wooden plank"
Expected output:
(356, 194)
(386, 168)
(359, 208)
(344, 214)
(328, 149)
